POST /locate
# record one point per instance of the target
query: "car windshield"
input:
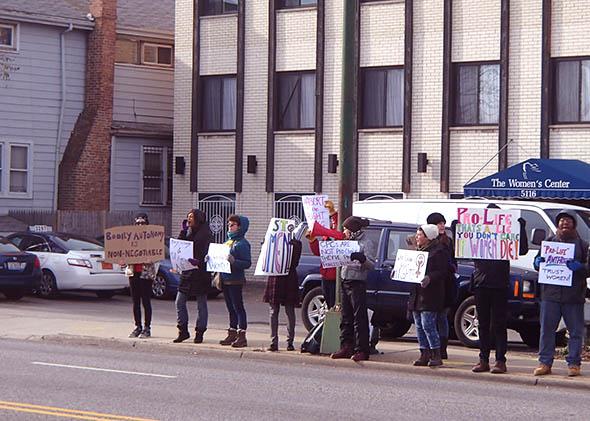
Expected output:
(582, 220)
(8, 247)
(76, 243)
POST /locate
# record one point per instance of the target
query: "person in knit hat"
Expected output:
(427, 298)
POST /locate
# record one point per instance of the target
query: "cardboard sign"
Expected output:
(335, 254)
(180, 252)
(218, 258)
(410, 266)
(315, 211)
(491, 234)
(134, 244)
(554, 270)
(275, 255)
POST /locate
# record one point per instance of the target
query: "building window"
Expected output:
(296, 100)
(218, 103)
(127, 51)
(476, 94)
(286, 4)
(7, 37)
(218, 7)
(383, 97)
(156, 54)
(156, 176)
(571, 86)
(19, 169)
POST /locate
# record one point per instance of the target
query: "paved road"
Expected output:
(164, 386)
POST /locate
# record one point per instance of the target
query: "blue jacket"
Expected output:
(240, 250)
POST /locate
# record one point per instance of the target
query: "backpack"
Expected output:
(313, 340)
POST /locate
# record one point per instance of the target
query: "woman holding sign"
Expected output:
(564, 301)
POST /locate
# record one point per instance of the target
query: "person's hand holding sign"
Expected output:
(425, 282)
(194, 262)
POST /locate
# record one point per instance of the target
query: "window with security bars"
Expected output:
(153, 180)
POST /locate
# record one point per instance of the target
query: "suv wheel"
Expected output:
(313, 308)
(466, 323)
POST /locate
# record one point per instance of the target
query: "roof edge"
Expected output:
(49, 20)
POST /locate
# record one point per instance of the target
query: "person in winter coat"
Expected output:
(354, 327)
(197, 281)
(427, 299)
(563, 301)
(232, 283)
(442, 318)
(283, 290)
(141, 276)
(491, 282)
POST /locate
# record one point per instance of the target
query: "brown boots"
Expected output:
(240, 341)
(232, 335)
(183, 334)
(346, 351)
(481, 367)
(424, 358)
(435, 358)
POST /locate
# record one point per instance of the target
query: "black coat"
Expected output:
(284, 290)
(432, 298)
(197, 281)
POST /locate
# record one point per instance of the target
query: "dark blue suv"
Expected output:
(388, 298)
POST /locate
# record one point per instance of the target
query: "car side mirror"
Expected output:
(538, 236)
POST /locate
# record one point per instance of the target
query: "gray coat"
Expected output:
(356, 272)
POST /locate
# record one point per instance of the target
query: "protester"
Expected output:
(141, 276)
(197, 281)
(283, 290)
(427, 299)
(490, 282)
(354, 327)
(232, 283)
(562, 301)
(442, 318)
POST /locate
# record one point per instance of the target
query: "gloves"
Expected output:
(538, 261)
(193, 262)
(184, 224)
(206, 258)
(425, 282)
(522, 222)
(574, 265)
(231, 259)
(359, 256)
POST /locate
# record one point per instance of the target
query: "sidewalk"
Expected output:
(395, 355)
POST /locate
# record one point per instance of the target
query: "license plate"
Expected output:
(15, 265)
(107, 266)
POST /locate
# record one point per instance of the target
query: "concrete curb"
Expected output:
(188, 348)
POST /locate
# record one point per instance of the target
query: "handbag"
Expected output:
(217, 281)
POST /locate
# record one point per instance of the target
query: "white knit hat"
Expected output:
(431, 231)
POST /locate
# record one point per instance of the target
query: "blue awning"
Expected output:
(536, 179)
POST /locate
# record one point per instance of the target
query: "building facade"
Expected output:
(447, 91)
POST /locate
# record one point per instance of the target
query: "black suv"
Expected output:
(389, 299)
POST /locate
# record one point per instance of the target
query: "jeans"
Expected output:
(329, 289)
(141, 292)
(426, 329)
(492, 314)
(354, 326)
(234, 302)
(442, 323)
(182, 312)
(274, 323)
(573, 315)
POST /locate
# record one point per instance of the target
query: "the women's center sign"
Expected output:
(492, 234)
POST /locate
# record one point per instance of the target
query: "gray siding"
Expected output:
(126, 172)
(30, 104)
(143, 94)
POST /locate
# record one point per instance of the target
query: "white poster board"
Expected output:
(275, 255)
(217, 261)
(491, 234)
(553, 270)
(180, 252)
(410, 266)
(335, 254)
(315, 211)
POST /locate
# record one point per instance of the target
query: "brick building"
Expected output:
(259, 82)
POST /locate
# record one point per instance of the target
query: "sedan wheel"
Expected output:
(466, 323)
(313, 308)
(47, 286)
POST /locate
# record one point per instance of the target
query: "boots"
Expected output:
(182, 334)
(199, 336)
(424, 358)
(435, 358)
(241, 341)
(481, 367)
(443, 348)
(232, 335)
(345, 351)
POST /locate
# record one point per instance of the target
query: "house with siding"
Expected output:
(86, 105)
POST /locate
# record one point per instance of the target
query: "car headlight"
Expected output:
(527, 286)
(80, 262)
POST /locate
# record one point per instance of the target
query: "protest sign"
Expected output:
(492, 234)
(180, 252)
(334, 254)
(218, 258)
(410, 266)
(275, 255)
(134, 244)
(315, 211)
(554, 270)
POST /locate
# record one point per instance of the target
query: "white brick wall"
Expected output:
(382, 34)
(296, 39)
(219, 43)
(380, 163)
(570, 35)
(570, 143)
(294, 162)
(470, 150)
(476, 30)
(216, 163)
